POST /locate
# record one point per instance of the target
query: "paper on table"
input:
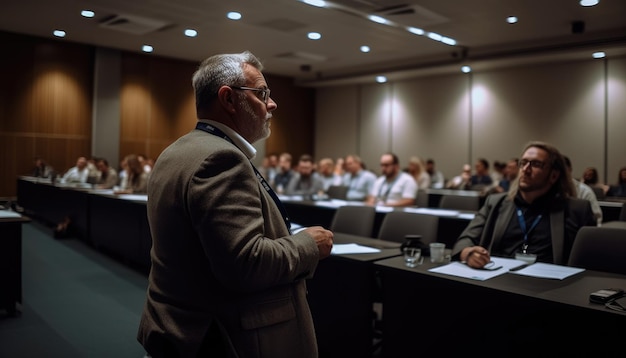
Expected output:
(438, 212)
(544, 270)
(462, 270)
(9, 214)
(341, 249)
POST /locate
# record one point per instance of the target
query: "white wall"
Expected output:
(566, 104)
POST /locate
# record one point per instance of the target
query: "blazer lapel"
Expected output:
(557, 218)
(506, 211)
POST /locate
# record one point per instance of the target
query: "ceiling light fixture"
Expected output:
(314, 35)
(88, 13)
(147, 48)
(599, 54)
(191, 33)
(233, 15)
(378, 19)
(365, 48)
(589, 2)
(415, 30)
(511, 19)
(59, 33)
(381, 79)
(316, 3)
(466, 69)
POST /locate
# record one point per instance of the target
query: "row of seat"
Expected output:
(453, 202)
(595, 248)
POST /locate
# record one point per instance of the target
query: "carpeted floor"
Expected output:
(77, 302)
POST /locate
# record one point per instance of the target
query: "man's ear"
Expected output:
(226, 98)
(554, 176)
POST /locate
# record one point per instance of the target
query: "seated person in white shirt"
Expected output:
(358, 180)
(394, 187)
(78, 173)
(326, 169)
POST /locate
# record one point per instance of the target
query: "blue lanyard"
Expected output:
(389, 186)
(219, 133)
(522, 224)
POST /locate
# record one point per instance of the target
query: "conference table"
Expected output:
(435, 314)
(11, 260)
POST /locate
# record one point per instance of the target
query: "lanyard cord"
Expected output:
(219, 133)
(389, 186)
(522, 224)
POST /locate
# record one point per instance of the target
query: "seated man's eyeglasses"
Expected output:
(533, 163)
(262, 93)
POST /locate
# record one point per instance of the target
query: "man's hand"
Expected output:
(475, 256)
(323, 238)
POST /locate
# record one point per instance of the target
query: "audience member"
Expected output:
(41, 169)
(394, 187)
(305, 181)
(269, 166)
(481, 180)
(78, 173)
(94, 174)
(498, 171)
(509, 174)
(340, 167)
(584, 191)
(437, 180)
(358, 180)
(461, 181)
(121, 174)
(284, 173)
(417, 170)
(136, 178)
(539, 215)
(228, 279)
(619, 189)
(146, 163)
(591, 178)
(108, 176)
(326, 169)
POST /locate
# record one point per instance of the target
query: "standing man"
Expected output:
(540, 215)
(394, 187)
(227, 276)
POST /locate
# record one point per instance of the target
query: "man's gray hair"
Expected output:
(221, 70)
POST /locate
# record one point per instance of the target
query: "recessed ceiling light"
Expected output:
(234, 15)
(415, 30)
(378, 19)
(599, 54)
(317, 3)
(59, 33)
(88, 13)
(448, 41)
(147, 48)
(365, 48)
(191, 33)
(466, 69)
(589, 2)
(511, 19)
(381, 79)
(314, 35)
(435, 36)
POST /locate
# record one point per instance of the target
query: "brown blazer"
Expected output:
(227, 278)
(491, 221)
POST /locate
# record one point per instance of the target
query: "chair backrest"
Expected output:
(337, 192)
(460, 202)
(397, 224)
(422, 198)
(354, 219)
(622, 213)
(600, 249)
(600, 195)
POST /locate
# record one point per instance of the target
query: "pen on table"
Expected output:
(517, 268)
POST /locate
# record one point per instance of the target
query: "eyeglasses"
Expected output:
(533, 163)
(264, 93)
(386, 164)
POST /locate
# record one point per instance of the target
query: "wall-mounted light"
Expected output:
(466, 69)
(381, 79)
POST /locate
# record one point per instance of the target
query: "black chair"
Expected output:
(422, 198)
(622, 213)
(460, 202)
(397, 224)
(600, 195)
(354, 220)
(337, 192)
(600, 249)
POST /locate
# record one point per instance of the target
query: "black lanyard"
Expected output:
(219, 133)
(522, 224)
